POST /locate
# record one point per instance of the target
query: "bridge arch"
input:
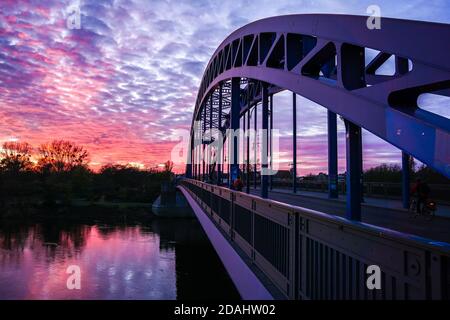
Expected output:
(322, 58)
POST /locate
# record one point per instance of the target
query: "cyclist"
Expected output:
(421, 191)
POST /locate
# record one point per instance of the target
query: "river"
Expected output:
(160, 259)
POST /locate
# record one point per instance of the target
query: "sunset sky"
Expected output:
(127, 80)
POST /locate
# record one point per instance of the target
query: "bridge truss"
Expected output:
(323, 58)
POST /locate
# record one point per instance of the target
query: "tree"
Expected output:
(168, 166)
(61, 156)
(16, 157)
(384, 173)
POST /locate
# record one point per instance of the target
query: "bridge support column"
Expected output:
(234, 121)
(264, 145)
(406, 179)
(247, 188)
(243, 168)
(354, 170)
(220, 149)
(271, 141)
(210, 155)
(332, 156)
(294, 142)
(255, 144)
(196, 163)
(203, 145)
(190, 158)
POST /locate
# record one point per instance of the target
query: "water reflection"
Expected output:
(163, 259)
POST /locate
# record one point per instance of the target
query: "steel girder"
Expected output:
(322, 58)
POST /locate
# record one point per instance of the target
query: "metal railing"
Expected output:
(311, 255)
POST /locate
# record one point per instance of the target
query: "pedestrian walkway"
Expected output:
(390, 216)
(442, 210)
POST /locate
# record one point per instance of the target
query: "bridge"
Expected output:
(275, 245)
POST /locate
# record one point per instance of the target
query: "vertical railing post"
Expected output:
(264, 146)
(332, 156)
(294, 142)
(235, 123)
(405, 179)
(354, 170)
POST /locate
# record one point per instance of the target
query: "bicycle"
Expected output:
(428, 210)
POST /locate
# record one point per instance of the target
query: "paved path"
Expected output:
(379, 212)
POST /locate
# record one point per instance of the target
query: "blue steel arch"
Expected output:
(322, 58)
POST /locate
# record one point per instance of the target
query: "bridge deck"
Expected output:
(395, 219)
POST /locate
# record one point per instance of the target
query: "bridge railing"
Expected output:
(311, 255)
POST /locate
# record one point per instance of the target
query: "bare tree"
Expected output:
(15, 156)
(61, 155)
(168, 166)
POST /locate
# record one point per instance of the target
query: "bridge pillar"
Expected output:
(271, 141)
(264, 146)
(196, 162)
(255, 173)
(210, 156)
(234, 121)
(190, 158)
(405, 179)
(203, 144)
(332, 156)
(354, 170)
(220, 149)
(294, 142)
(247, 182)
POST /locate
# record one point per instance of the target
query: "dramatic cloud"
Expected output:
(127, 79)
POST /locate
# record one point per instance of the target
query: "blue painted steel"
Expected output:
(264, 146)
(247, 188)
(294, 142)
(235, 113)
(271, 140)
(354, 170)
(332, 156)
(219, 152)
(405, 179)
(255, 173)
(389, 102)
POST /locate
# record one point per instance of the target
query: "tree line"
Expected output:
(57, 172)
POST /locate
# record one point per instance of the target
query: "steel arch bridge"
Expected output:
(323, 58)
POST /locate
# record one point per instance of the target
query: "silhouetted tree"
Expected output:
(61, 156)
(168, 166)
(384, 173)
(15, 157)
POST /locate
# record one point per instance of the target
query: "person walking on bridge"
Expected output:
(421, 191)
(237, 184)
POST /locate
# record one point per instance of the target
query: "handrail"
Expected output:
(292, 245)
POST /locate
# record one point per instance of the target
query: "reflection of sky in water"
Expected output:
(116, 263)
